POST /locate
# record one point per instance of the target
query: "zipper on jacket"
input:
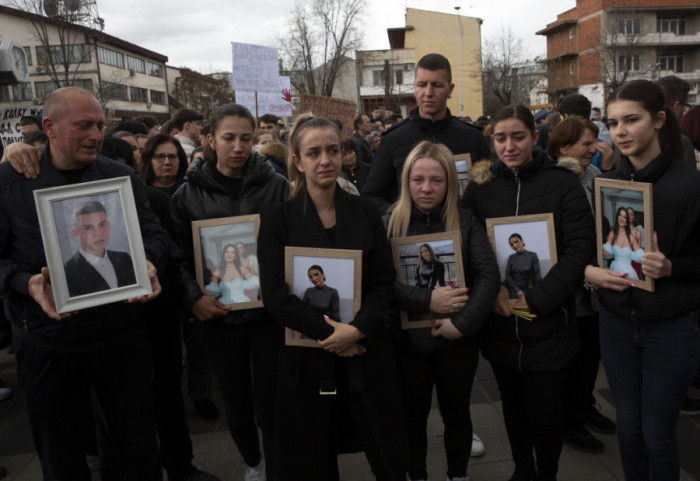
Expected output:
(517, 197)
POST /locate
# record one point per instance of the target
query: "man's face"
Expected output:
(432, 92)
(365, 127)
(192, 129)
(596, 115)
(376, 114)
(93, 232)
(680, 108)
(76, 134)
(25, 129)
(269, 127)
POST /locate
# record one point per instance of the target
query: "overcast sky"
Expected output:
(198, 34)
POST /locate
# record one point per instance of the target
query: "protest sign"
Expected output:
(330, 108)
(255, 68)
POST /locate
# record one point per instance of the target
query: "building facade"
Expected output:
(599, 44)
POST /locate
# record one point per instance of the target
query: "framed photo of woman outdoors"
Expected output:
(329, 280)
(624, 227)
(525, 248)
(429, 261)
(225, 260)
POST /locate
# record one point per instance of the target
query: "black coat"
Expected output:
(480, 271)
(549, 342)
(201, 196)
(303, 433)
(82, 278)
(384, 182)
(676, 194)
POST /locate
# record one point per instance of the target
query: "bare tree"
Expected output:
(320, 39)
(619, 49)
(201, 92)
(503, 55)
(59, 26)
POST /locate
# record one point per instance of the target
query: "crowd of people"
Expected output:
(110, 376)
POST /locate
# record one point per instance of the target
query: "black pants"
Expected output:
(451, 371)
(244, 360)
(533, 405)
(199, 378)
(57, 387)
(583, 373)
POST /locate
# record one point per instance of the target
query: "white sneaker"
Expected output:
(478, 448)
(257, 473)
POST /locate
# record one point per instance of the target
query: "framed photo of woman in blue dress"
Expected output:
(624, 226)
(428, 261)
(525, 248)
(225, 260)
(327, 280)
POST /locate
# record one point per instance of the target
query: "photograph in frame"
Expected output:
(93, 245)
(625, 208)
(226, 262)
(428, 261)
(463, 162)
(335, 292)
(525, 248)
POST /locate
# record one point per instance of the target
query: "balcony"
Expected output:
(655, 39)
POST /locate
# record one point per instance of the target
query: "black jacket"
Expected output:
(358, 175)
(550, 341)
(201, 196)
(676, 198)
(22, 255)
(364, 152)
(82, 278)
(384, 182)
(480, 272)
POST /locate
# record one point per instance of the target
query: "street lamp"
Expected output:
(459, 21)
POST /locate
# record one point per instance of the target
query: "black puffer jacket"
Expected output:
(549, 342)
(200, 197)
(480, 271)
(676, 197)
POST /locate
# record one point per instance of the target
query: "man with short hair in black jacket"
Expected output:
(431, 120)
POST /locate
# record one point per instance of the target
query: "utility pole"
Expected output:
(459, 21)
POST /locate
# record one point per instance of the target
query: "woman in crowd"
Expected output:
(231, 181)
(322, 297)
(343, 397)
(522, 269)
(427, 357)
(650, 341)
(230, 281)
(530, 358)
(163, 163)
(574, 140)
(622, 247)
(430, 272)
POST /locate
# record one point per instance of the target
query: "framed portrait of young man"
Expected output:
(428, 261)
(624, 227)
(328, 280)
(93, 244)
(226, 262)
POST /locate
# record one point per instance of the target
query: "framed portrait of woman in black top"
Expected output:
(427, 261)
(326, 280)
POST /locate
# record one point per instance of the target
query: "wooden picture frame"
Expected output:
(538, 239)
(343, 268)
(447, 247)
(611, 196)
(211, 239)
(107, 229)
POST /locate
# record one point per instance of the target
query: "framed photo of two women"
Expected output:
(624, 227)
(428, 261)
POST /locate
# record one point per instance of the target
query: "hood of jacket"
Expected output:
(256, 171)
(482, 172)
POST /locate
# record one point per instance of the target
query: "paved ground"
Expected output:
(215, 453)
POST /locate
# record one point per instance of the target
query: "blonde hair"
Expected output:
(401, 216)
(304, 122)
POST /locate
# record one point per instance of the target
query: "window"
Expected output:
(110, 57)
(22, 91)
(572, 68)
(43, 89)
(399, 77)
(136, 64)
(139, 94)
(670, 23)
(28, 53)
(114, 91)
(628, 62)
(571, 34)
(83, 83)
(630, 26)
(158, 97)
(58, 54)
(4, 93)
(155, 69)
(670, 61)
(376, 77)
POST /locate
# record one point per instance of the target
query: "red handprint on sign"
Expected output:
(286, 95)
